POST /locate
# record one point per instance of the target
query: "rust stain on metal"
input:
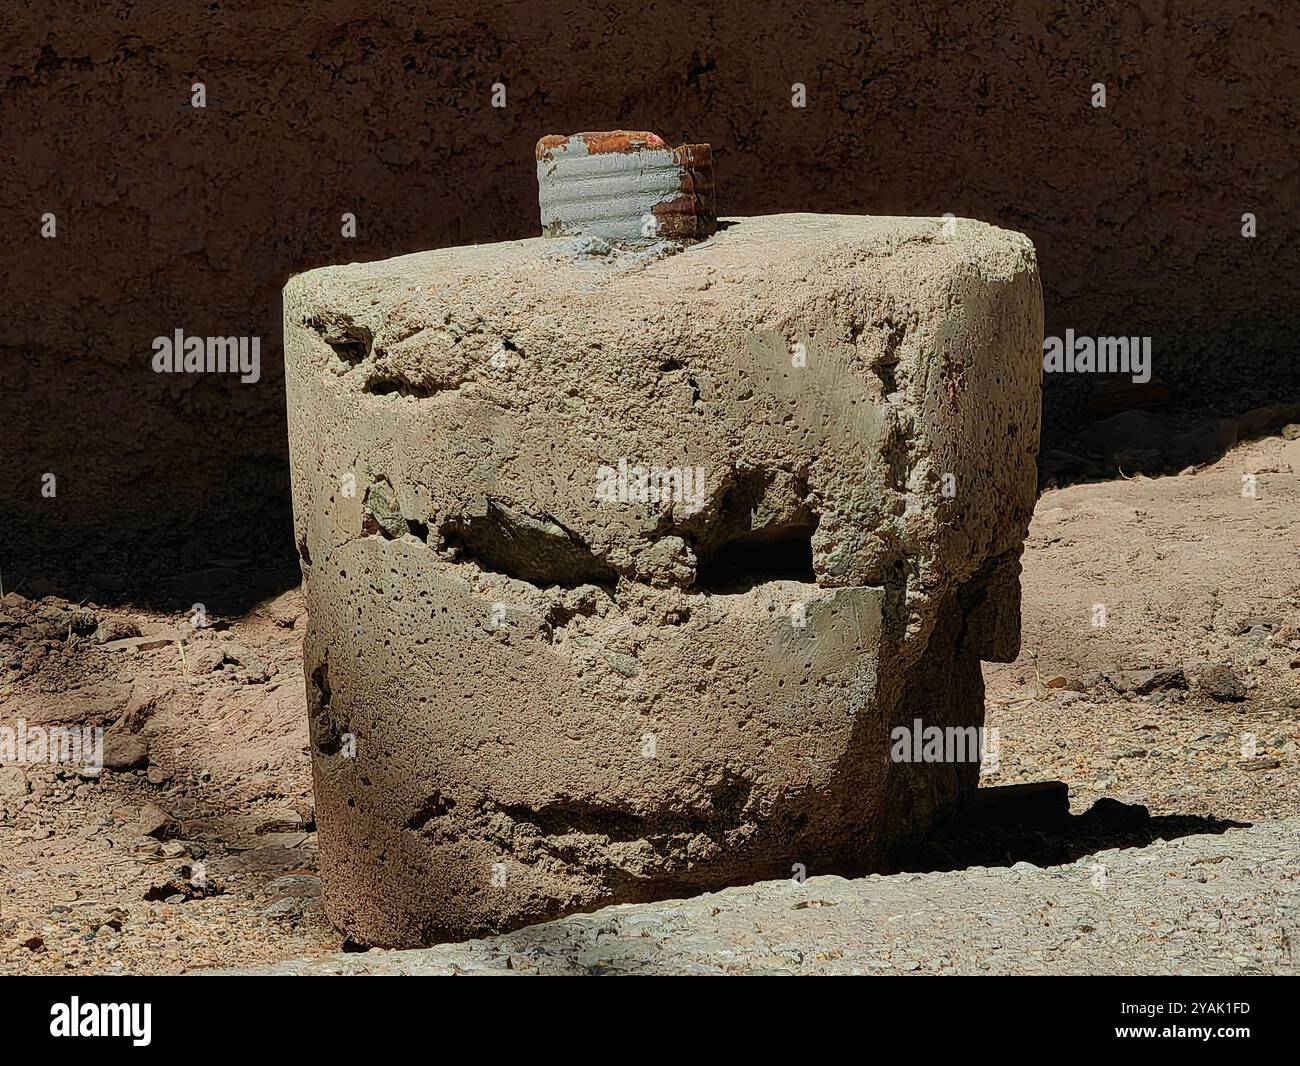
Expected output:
(669, 194)
(620, 141)
(624, 141)
(693, 215)
(549, 143)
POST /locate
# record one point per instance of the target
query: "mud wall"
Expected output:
(170, 216)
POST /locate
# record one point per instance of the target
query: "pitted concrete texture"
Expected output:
(1202, 904)
(619, 577)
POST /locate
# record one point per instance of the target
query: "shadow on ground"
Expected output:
(1159, 441)
(160, 583)
(1032, 823)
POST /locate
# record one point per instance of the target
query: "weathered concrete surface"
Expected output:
(527, 700)
(1197, 905)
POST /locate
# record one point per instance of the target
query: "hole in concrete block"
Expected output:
(350, 341)
(746, 561)
(886, 373)
(390, 382)
(350, 351)
(761, 530)
(381, 387)
(328, 737)
(436, 806)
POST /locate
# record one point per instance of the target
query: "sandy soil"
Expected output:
(1197, 581)
(199, 850)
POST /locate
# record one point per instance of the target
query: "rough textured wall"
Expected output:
(173, 217)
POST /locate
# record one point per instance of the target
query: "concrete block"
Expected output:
(620, 578)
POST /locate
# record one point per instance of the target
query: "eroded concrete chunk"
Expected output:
(625, 186)
(620, 580)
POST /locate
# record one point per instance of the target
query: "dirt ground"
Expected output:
(195, 846)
